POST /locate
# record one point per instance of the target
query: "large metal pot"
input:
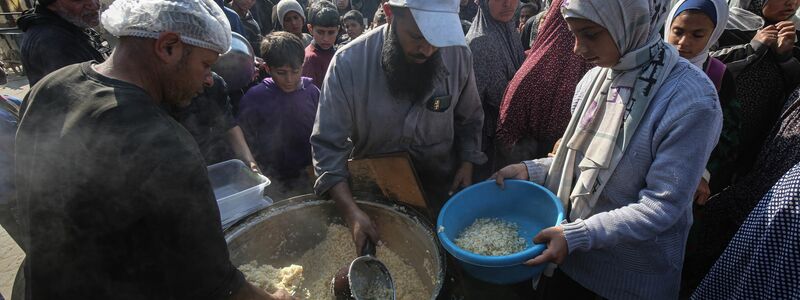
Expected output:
(236, 66)
(281, 234)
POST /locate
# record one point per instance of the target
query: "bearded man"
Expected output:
(57, 33)
(406, 87)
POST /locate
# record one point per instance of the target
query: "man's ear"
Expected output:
(168, 47)
(310, 28)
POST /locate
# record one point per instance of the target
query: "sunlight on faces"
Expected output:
(779, 10)
(81, 13)
(503, 10)
(353, 28)
(415, 47)
(191, 73)
(690, 32)
(594, 43)
(325, 37)
(286, 77)
(293, 23)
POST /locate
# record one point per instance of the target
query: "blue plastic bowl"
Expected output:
(525, 203)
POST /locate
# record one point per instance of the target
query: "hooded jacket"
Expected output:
(49, 43)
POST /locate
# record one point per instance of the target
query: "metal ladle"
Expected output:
(365, 278)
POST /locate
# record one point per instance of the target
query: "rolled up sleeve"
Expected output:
(330, 139)
(469, 120)
(538, 168)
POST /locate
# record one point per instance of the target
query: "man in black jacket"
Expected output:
(58, 33)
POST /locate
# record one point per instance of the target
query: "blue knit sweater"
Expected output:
(632, 245)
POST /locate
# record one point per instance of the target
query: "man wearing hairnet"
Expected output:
(113, 193)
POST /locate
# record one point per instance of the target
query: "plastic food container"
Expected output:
(530, 205)
(239, 190)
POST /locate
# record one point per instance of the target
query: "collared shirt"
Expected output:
(359, 117)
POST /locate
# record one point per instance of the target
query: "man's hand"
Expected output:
(282, 295)
(767, 36)
(515, 171)
(361, 227)
(785, 37)
(259, 66)
(702, 193)
(248, 291)
(556, 246)
(254, 167)
(463, 177)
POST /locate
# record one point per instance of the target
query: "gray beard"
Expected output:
(74, 20)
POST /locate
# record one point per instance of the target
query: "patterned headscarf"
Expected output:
(612, 106)
(537, 102)
(498, 53)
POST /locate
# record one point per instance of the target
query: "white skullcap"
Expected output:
(200, 23)
(285, 6)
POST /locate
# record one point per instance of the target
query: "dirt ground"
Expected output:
(10, 254)
(10, 258)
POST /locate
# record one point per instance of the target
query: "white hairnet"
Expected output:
(200, 23)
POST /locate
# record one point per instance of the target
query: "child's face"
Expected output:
(353, 28)
(286, 77)
(293, 23)
(525, 14)
(342, 4)
(779, 10)
(325, 37)
(690, 32)
(594, 43)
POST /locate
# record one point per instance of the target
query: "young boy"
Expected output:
(292, 19)
(526, 11)
(277, 116)
(323, 23)
(353, 22)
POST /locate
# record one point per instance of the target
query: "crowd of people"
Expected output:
(669, 130)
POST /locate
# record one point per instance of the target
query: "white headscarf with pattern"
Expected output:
(612, 106)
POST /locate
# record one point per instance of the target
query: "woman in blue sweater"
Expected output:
(644, 124)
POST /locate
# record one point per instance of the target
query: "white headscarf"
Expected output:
(612, 106)
(722, 19)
